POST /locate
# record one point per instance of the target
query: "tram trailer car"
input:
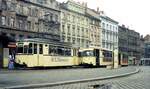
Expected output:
(38, 52)
(95, 57)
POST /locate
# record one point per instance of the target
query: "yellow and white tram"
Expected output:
(95, 57)
(38, 52)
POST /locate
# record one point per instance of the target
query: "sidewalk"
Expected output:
(38, 77)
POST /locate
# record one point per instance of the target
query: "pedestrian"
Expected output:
(10, 63)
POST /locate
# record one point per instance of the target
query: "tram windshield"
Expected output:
(86, 53)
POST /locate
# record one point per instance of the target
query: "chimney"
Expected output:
(97, 9)
(123, 25)
(85, 4)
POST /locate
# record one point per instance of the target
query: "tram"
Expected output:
(95, 57)
(36, 52)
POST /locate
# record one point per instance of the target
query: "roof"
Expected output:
(108, 18)
(47, 41)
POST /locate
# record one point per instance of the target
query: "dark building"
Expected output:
(147, 46)
(129, 44)
(142, 47)
(30, 18)
(21, 19)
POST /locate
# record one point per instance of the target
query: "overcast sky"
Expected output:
(135, 14)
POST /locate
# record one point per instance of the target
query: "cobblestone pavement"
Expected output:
(140, 80)
(25, 77)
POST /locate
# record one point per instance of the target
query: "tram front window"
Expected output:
(87, 53)
(68, 52)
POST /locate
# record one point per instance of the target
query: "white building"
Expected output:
(110, 38)
(109, 33)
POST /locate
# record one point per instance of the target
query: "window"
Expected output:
(41, 49)
(63, 28)
(68, 27)
(60, 51)
(4, 5)
(25, 49)
(13, 35)
(73, 40)
(35, 48)
(56, 18)
(28, 25)
(20, 48)
(73, 30)
(30, 48)
(68, 52)
(3, 20)
(40, 1)
(51, 17)
(29, 11)
(52, 50)
(78, 31)
(21, 9)
(35, 12)
(12, 21)
(37, 27)
(20, 36)
(20, 24)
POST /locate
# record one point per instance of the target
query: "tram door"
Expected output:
(40, 54)
(96, 53)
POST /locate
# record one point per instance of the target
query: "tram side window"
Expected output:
(30, 48)
(25, 49)
(20, 49)
(41, 49)
(35, 48)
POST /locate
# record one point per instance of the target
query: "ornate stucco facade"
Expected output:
(79, 25)
(30, 18)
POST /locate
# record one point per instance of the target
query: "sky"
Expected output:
(134, 14)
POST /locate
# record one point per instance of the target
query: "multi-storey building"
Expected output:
(147, 46)
(129, 44)
(145, 50)
(142, 47)
(28, 18)
(123, 44)
(95, 27)
(79, 25)
(109, 33)
(110, 37)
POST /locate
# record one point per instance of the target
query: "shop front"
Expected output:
(7, 46)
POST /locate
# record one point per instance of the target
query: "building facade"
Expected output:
(110, 38)
(129, 44)
(79, 25)
(147, 46)
(30, 18)
(21, 19)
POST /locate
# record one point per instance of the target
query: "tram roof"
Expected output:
(47, 41)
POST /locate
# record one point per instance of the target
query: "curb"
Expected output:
(31, 86)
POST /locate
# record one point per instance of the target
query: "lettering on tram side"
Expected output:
(58, 59)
